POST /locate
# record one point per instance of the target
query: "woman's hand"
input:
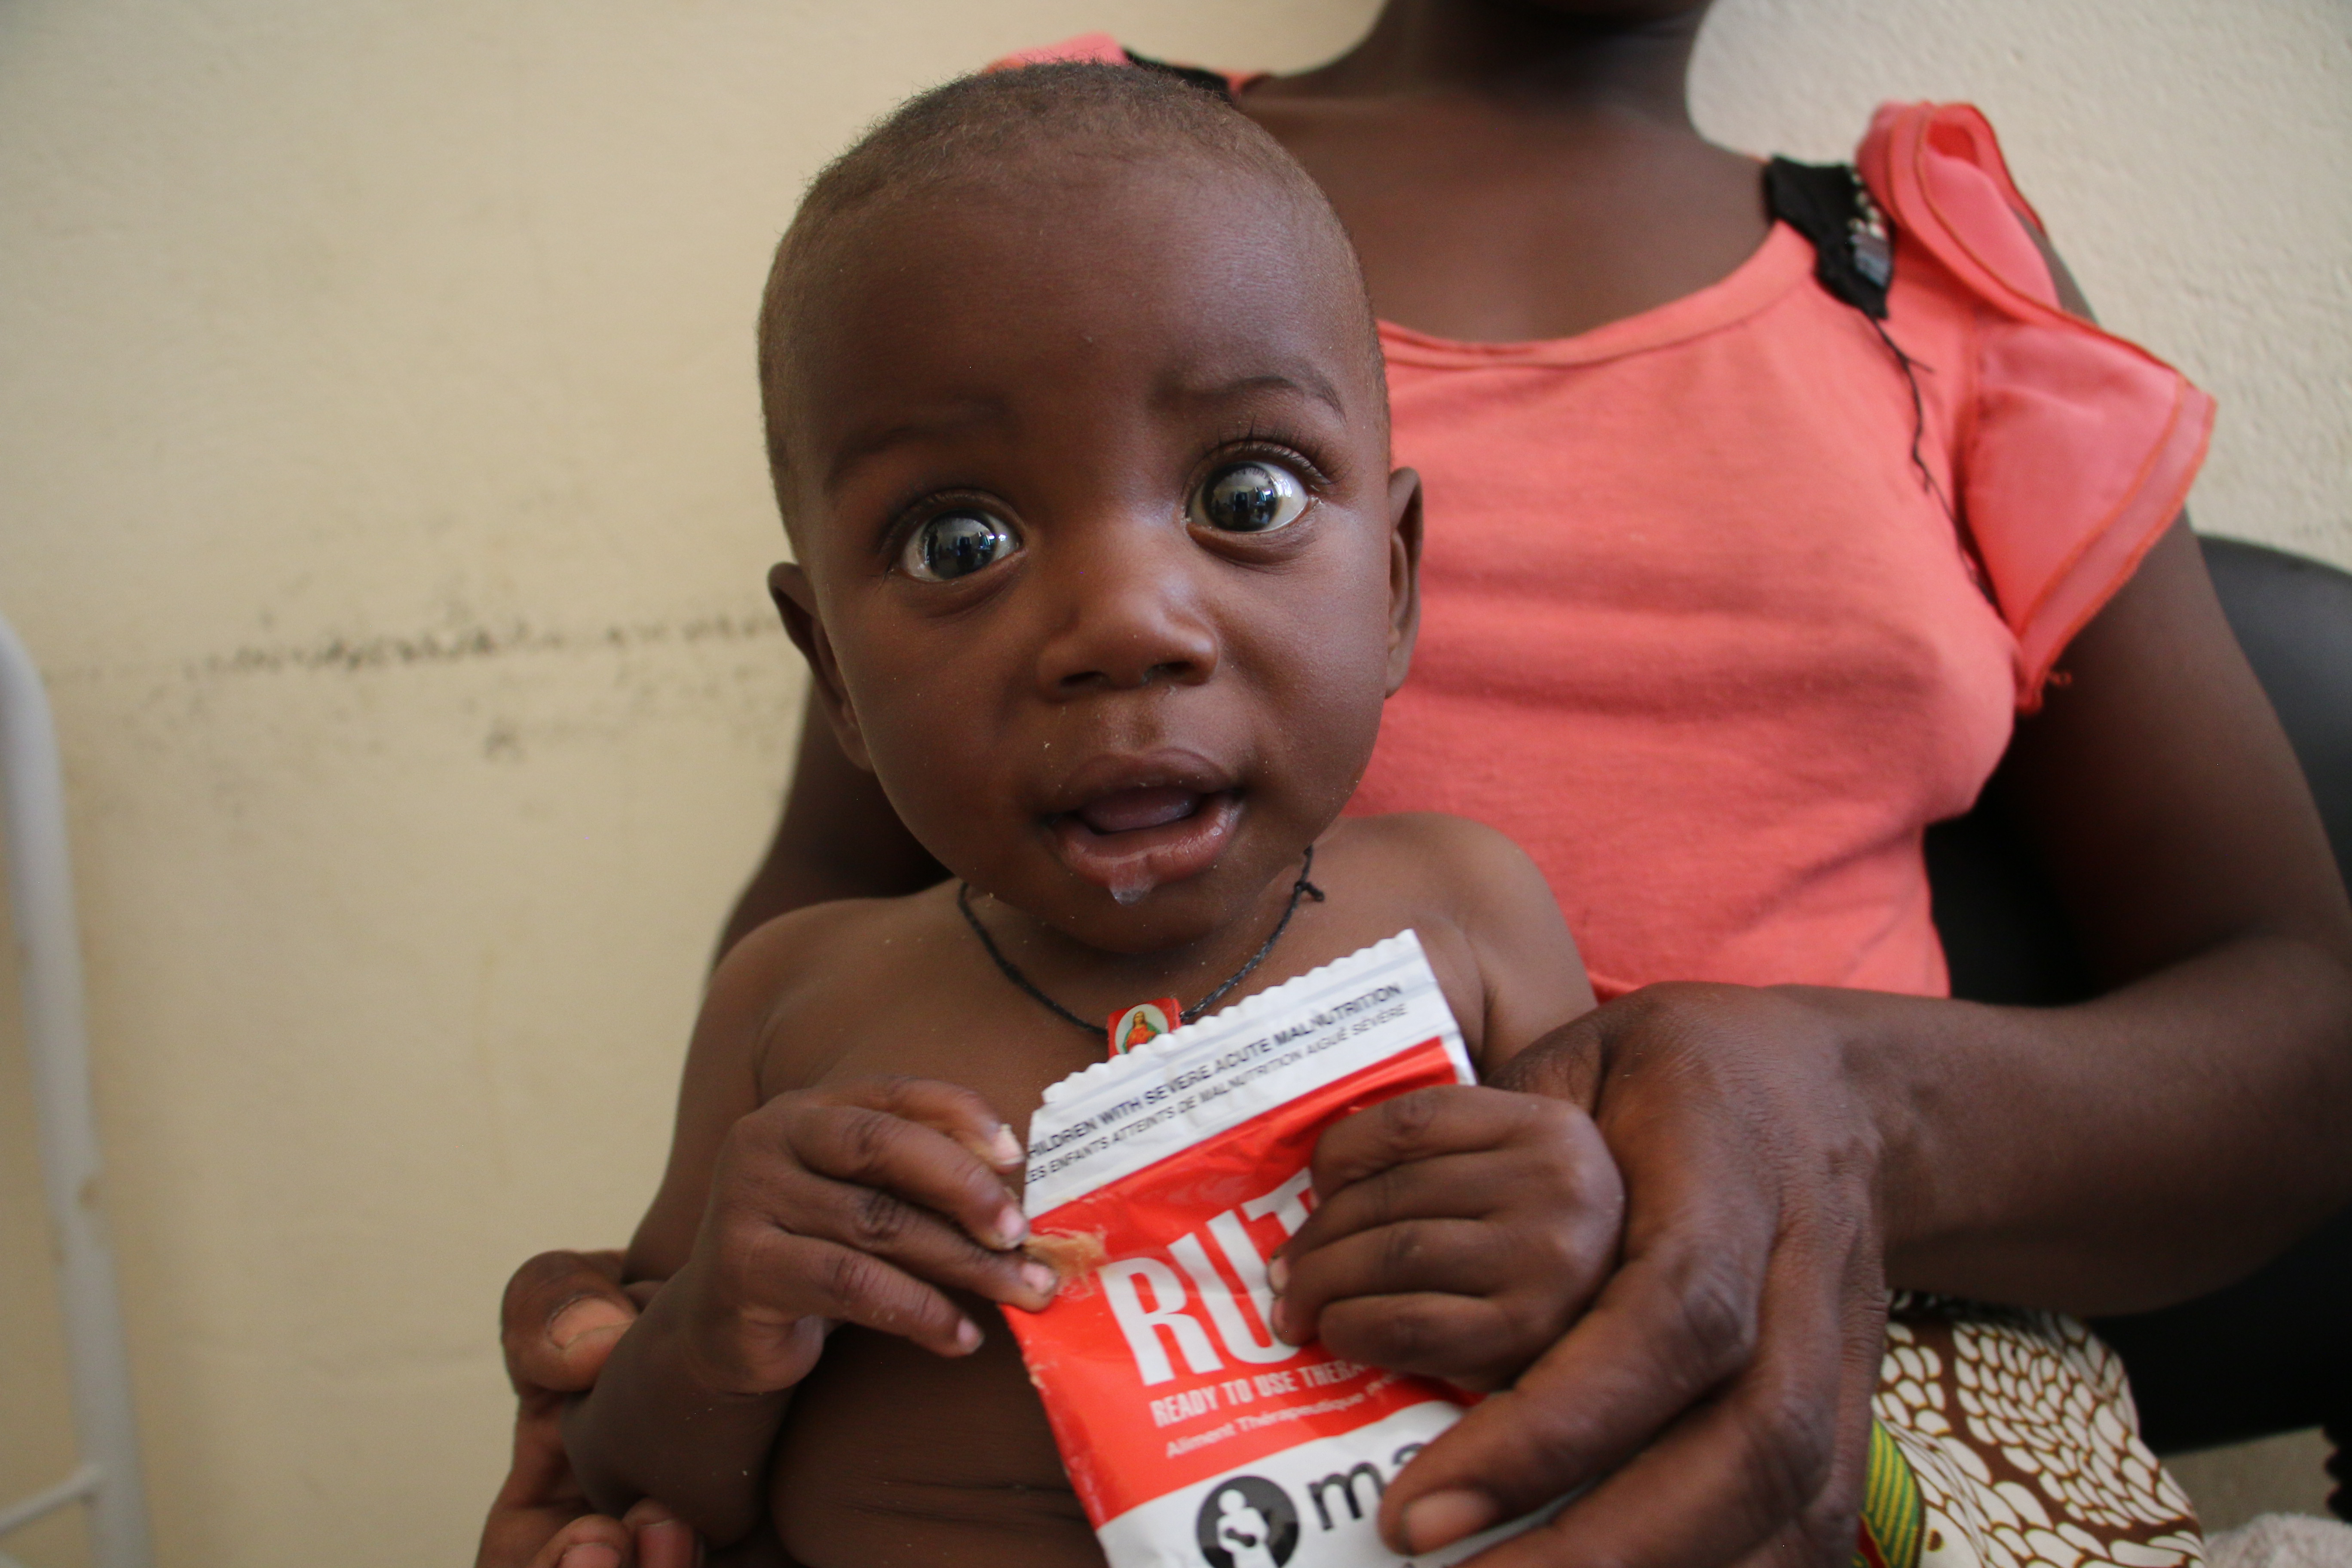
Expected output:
(1718, 1390)
(1457, 1233)
(563, 1313)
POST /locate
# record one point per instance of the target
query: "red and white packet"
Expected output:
(1170, 1175)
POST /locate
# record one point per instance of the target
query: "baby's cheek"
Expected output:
(1329, 717)
(942, 770)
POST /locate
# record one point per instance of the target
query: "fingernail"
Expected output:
(1011, 1225)
(1277, 1274)
(967, 1336)
(1040, 1278)
(588, 1315)
(669, 1540)
(595, 1554)
(1004, 1147)
(1441, 1519)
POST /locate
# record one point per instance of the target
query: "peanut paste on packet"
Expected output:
(1160, 1183)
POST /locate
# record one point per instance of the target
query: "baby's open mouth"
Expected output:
(1130, 841)
(1128, 810)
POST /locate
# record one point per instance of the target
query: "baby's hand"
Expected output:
(1457, 1233)
(859, 1203)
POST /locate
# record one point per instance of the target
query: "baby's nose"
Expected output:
(1133, 609)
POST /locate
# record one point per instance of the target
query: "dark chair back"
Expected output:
(2272, 1353)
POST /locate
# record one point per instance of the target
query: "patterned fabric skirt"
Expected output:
(2007, 1440)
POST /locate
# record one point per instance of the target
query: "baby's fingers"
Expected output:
(1460, 1150)
(881, 1225)
(1462, 1258)
(824, 1278)
(859, 1138)
(1448, 1186)
(827, 1204)
(1456, 1119)
(955, 1113)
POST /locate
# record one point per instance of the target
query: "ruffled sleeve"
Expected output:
(1087, 48)
(2080, 447)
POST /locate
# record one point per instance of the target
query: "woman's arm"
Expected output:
(1787, 1152)
(2213, 1077)
(2171, 1135)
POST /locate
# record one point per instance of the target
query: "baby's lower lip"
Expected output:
(1135, 840)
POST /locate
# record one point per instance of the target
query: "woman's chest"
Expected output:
(1737, 522)
(1501, 226)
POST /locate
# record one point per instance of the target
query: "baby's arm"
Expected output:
(847, 1202)
(1531, 979)
(1458, 1232)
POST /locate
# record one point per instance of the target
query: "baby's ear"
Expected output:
(1404, 572)
(795, 598)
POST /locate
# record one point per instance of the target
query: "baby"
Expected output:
(1077, 422)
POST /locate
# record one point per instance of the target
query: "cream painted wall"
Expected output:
(381, 489)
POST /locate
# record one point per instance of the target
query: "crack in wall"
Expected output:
(459, 645)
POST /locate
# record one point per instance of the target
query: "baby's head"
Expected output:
(1077, 415)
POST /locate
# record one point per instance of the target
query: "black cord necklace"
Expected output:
(1302, 888)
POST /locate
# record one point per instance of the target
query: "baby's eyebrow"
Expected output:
(1299, 380)
(943, 419)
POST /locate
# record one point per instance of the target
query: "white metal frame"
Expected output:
(40, 892)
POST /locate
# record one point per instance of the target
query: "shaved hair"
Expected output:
(993, 130)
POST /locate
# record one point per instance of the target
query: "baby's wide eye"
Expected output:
(957, 544)
(1249, 498)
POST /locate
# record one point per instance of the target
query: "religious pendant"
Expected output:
(1144, 1021)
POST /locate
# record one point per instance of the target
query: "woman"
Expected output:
(1800, 1119)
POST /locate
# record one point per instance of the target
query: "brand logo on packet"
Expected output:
(1167, 1178)
(1247, 1522)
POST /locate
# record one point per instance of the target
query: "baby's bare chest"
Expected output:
(1006, 1055)
(935, 1006)
(891, 1455)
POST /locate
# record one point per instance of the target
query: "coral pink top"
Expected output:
(1695, 632)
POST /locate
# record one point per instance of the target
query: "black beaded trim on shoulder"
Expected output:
(1854, 261)
(1206, 80)
(1854, 251)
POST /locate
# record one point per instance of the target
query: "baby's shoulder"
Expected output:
(798, 948)
(1484, 915)
(1450, 864)
(799, 984)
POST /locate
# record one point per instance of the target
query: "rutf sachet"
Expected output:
(1160, 1182)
